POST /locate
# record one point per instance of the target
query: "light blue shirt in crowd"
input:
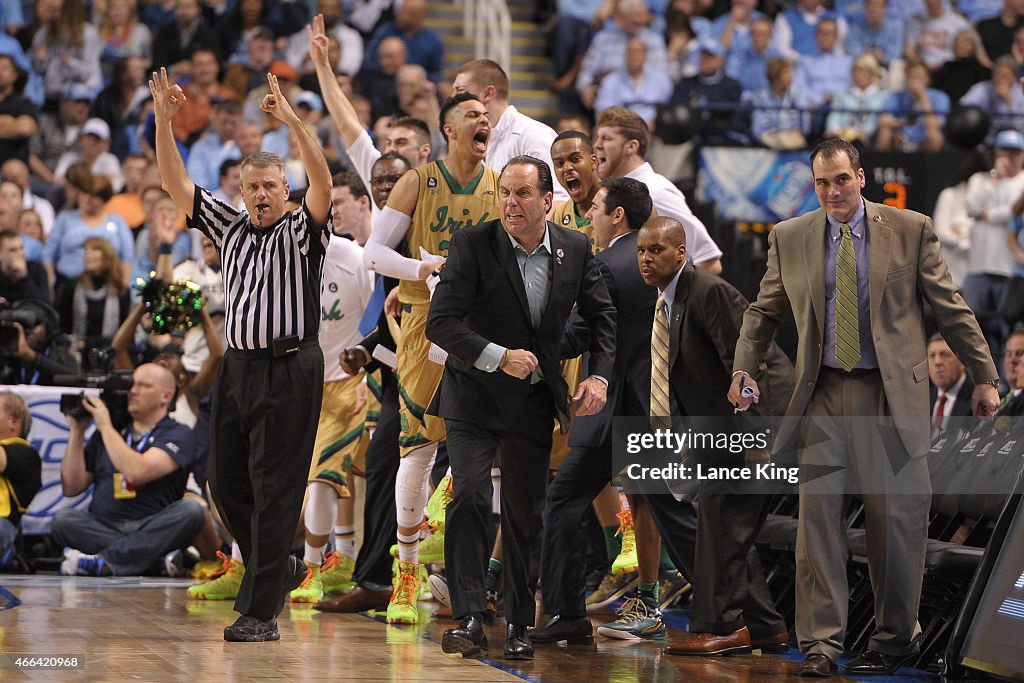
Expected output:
(64, 246)
(888, 37)
(747, 66)
(815, 77)
(205, 158)
(643, 98)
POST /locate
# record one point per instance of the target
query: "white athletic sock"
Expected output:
(408, 548)
(313, 556)
(345, 540)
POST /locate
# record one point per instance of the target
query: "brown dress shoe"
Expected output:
(712, 644)
(771, 644)
(359, 599)
(816, 665)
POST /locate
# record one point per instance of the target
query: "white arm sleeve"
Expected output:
(379, 254)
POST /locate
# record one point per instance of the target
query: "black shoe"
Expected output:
(248, 629)
(467, 639)
(517, 642)
(578, 631)
(873, 662)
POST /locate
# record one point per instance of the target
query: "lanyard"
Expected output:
(129, 438)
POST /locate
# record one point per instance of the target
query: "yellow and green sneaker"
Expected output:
(403, 609)
(439, 501)
(336, 572)
(311, 589)
(627, 561)
(431, 546)
(223, 585)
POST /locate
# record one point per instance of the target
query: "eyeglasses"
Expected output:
(383, 180)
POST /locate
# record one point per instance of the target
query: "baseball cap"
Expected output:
(311, 100)
(1010, 139)
(283, 69)
(97, 127)
(77, 92)
(712, 47)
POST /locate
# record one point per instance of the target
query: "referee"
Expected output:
(268, 392)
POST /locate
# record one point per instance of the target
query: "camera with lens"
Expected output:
(9, 330)
(113, 392)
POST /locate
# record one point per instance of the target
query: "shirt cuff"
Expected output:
(490, 357)
(600, 378)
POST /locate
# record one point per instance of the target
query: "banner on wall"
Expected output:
(49, 435)
(756, 185)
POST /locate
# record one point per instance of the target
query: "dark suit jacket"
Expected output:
(629, 385)
(32, 286)
(707, 313)
(481, 299)
(961, 406)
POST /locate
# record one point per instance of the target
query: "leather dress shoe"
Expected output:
(712, 644)
(816, 665)
(467, 639)
(578, 631)
(775, 644)
(873, 662)
(359, 599)
(517, 642)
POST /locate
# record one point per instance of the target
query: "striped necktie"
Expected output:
(660, 406)
(847, 314)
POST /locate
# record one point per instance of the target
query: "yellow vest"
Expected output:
(443, 208)
(7, 493)
(566, 216)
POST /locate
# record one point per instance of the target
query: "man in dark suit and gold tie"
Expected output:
(505, 294)
(696, 325)
(854, 274)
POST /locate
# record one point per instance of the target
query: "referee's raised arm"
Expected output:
(167, 100)
(318, 195)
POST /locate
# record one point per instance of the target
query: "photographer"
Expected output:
(32, 350)
(137, 514)
(20, 278)
(20, 470)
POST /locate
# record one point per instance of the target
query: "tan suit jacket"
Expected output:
(906, 267)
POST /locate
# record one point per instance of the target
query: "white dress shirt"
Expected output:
(514, 134)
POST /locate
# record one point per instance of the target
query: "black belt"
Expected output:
(856, 372)
(268, 352)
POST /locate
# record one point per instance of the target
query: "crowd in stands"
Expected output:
(83, 217)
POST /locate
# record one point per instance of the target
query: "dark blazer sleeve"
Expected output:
(452, 301)
(595, 307)
(576, 338)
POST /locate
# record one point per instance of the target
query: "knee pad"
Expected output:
(411, 485)
(321, 509)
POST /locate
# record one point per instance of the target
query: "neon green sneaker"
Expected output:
(439, 501)
(311, 589)
(431, 550)
(336, 572)
(627, 561)
(222, 586)
(403, 609)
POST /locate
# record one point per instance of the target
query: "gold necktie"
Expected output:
(660, 406)
(847, 313)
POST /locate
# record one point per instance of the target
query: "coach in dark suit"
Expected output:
(505, 294)
(854, 274)
(732, 606)
(620, 207)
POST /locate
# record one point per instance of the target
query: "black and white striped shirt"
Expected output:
(271, 275)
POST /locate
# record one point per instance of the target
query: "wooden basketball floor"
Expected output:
(127, 629)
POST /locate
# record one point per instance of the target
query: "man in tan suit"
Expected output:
(854, 274)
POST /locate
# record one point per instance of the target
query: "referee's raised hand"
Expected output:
(275, 104)
(167, 98)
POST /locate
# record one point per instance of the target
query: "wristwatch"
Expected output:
(993, 383)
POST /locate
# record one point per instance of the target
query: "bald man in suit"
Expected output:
(854, 274)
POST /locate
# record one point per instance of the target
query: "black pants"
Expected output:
(524, 452)
(265, 413)
(373, 565)
(731, 591)
(582, 476)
